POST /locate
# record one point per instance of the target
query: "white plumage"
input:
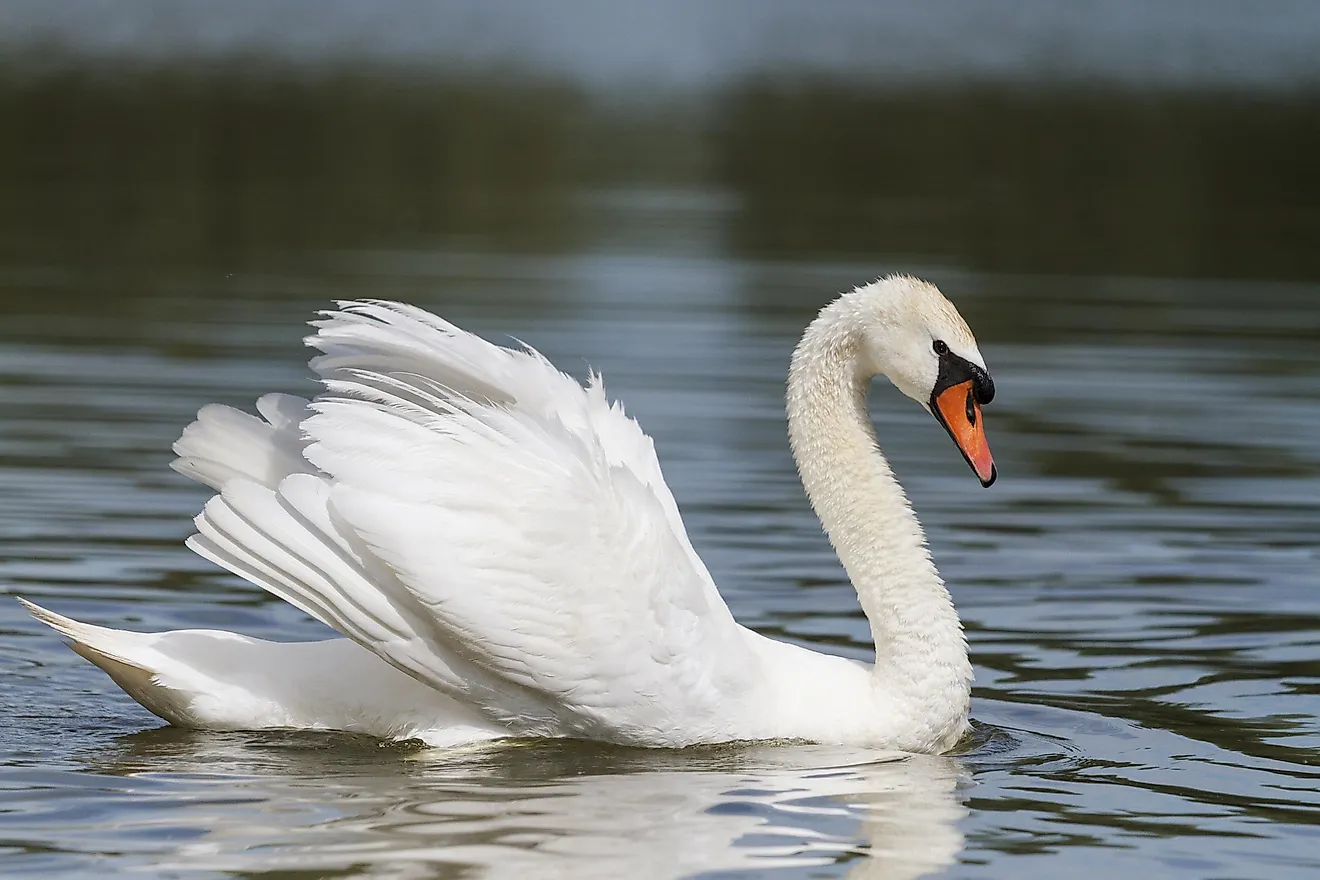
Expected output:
(499, 547)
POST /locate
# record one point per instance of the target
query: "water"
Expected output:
(1139, 588)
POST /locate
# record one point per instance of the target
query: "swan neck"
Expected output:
(919, 641)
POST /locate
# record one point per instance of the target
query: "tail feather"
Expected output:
(111, 643)
(223, 681)
(125, 657)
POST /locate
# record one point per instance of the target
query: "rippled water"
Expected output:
(1139, 588)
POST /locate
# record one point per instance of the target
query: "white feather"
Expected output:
(226, 444)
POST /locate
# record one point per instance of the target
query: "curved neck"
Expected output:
(919, 643)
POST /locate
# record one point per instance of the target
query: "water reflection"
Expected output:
(283, 803)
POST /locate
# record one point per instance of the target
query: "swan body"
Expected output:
(499, 549)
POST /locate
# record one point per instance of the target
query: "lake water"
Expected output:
(1141, 588)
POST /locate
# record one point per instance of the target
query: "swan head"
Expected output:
(913, 336)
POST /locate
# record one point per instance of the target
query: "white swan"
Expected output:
(500, 548)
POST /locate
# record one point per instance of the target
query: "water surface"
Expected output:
(1139, 588)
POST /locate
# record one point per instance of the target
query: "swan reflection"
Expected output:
(248, 802)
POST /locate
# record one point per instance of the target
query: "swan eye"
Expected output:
(941, 347)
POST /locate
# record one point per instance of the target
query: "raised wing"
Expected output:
(486, 524)
(400, 341)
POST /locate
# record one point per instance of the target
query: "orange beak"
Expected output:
(960, 414)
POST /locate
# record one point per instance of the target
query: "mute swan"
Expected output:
(500, 549)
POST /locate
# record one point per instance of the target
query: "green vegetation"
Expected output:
(107, 166)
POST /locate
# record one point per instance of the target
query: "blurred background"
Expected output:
(1122, 197)
(1174, 138)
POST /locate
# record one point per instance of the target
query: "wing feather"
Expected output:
(484, 523)
(393, 339)
(530, 519)
(547, 565)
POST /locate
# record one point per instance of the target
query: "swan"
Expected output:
(497, 545)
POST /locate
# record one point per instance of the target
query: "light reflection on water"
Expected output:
(316, 802)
